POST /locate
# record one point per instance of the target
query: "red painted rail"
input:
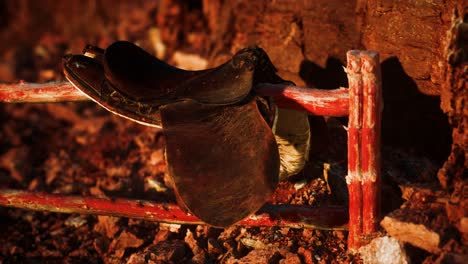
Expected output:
(293, 216)
(23, 92)
(313, 101)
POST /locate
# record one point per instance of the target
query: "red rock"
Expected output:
(162, 235)
(452, 258)
(290, 258)
(137, 258)
(384, 250)
(418, 235)
(173, 251)
(107, 225)
(214, 247)
(101, 245)
(306, 255)
(199, 258)
(192, 243)
(124, 241)
(261, 256)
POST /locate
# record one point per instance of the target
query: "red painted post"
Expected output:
(353, 179)
(370, 140)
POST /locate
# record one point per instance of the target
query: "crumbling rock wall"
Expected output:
(454, 98)
(308, 41)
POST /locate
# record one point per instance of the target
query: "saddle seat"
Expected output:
(144, 78)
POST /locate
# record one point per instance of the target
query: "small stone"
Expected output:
(290, 258)
(383, 250)
(80, 252)
(252, 243)
(416, 234)
(156, 185)
(124, 241)
(214, 247)
(261, 256)
(229, 232)
(242, 233)
(300, 184)
(46, 75)
(173, 251)
(451, 258)
(162, 235)
(307, 233)
(174, 228)
(463, 225)
(16, 250)
(75, 221)
(192, 243)
(306, 255)
(339, 234)
(199, 258)
(101, 245)
(137, 258)
(107, 225)
(157, 157)
(284, 231)
(154, 34)
(201, 230)
(230, 244)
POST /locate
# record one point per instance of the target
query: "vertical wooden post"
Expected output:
(370, 140)
(353, 179)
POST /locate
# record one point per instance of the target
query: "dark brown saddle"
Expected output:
(221, 153)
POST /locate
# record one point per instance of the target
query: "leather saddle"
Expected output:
(221, 153)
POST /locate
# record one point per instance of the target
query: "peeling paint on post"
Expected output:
(365, 106)
(353, 179)
(370, 140)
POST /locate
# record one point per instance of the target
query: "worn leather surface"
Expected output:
(221, 151)
(224, 160)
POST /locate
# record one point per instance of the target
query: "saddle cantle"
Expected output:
(221, 153)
